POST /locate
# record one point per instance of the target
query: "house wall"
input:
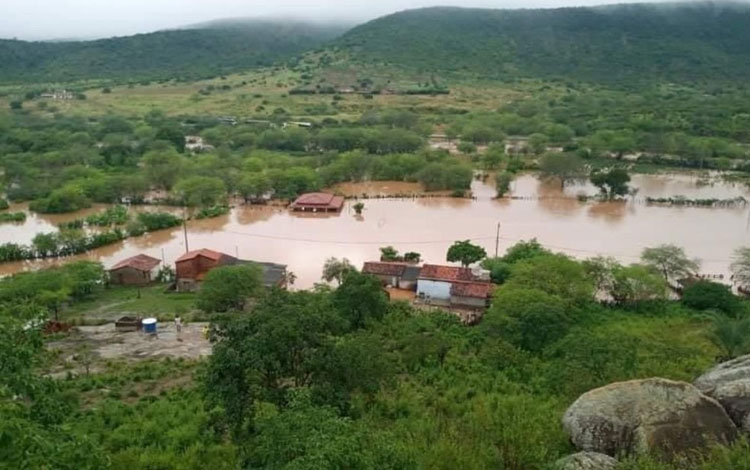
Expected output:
(129, 276)
(408, 285)
(438, 290)
(472, 302)
(191, 268)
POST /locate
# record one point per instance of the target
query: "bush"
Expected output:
(705, 295)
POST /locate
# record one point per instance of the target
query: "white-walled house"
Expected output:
(440, 284)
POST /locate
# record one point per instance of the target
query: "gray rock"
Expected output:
(586, 461)
(729, 383)
(644, 416)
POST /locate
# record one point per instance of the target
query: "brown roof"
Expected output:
(446, 273)
(319, 199)
(480, 290)
(384, 268)
(204, 252)
(139, 262)
(322, 200)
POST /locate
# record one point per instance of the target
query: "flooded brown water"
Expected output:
(430, 225)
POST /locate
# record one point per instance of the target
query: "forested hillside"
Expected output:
(188, 53)
(623, 43)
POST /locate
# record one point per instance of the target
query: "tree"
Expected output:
(502, 183)
(359, 207)
(201, 191)
(612, 183)
(335, 269)
(528, 318)
(564, 167)
(705, 295)
(465, 252)
(16, 105)
(636, 283)
(741, 266)
(162, 167)
(360, 299)
(412, 257)
(499, 269)
(254, 186)
(671, 261)
(524, 250)
(228, 287)
(260, 357)
(555, 274)
(388, 253)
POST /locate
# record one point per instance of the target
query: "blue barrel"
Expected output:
(149, 325)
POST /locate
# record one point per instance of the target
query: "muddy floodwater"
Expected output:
(430, 225)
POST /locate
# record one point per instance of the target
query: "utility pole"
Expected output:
(184, 228)
(497, 240)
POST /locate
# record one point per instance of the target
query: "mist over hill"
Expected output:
(195, 52)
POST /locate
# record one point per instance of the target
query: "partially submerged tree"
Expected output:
(563, 167)
(388, 253)
(612, 183)
(465, 253)
(670, 261)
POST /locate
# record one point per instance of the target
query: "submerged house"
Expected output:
(454, 286)
(394, 274)
(134, 271)
(318, 202)
(192, 267)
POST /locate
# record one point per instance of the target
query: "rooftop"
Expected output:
(204, 252)
(384, 268)
(479, 290)
(446, 273)
(319, 200)
(140, 262)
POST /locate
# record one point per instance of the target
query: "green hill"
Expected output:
(187, 53)
(673, 42)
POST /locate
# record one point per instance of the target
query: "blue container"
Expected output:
(149, 325)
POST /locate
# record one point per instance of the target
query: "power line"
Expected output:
(443, 241)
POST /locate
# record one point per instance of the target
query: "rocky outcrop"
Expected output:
(642, 416)
(586, 461)
(729, 383)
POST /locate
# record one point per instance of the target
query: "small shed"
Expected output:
(136, 270)
(318, 202)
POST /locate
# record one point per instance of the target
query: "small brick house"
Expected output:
(191, 267)
(134, 271)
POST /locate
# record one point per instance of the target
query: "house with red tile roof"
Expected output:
(134, 271)
(318, 202)
(454, 286)
(395, 274)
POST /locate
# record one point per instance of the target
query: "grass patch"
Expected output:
(116, 301)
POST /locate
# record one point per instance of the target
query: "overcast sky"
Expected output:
(83, 19)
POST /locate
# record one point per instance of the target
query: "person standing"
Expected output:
(178, 324)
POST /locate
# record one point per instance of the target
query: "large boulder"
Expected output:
(729, 383)
(586, 461)
(644, 416)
